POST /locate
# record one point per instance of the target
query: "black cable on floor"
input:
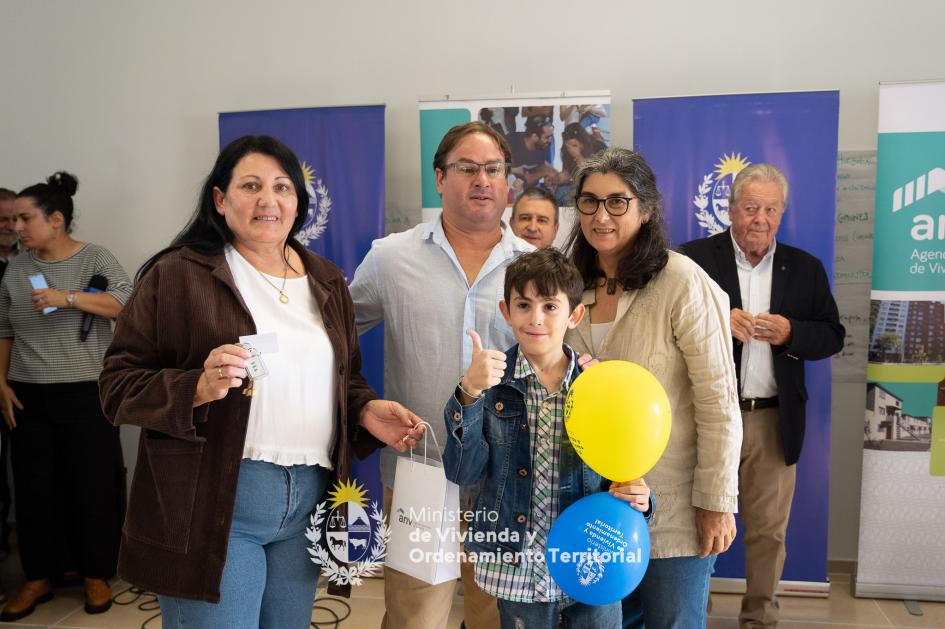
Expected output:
(148, 602)
(330, 624)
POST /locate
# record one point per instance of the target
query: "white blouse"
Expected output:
(598, 333)
(291, 417)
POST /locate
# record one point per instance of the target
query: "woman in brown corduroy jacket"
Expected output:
(174, 370)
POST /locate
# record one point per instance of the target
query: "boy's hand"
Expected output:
(586, 361)
(635, 492)
(486, 368)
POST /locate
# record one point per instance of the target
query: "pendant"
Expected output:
(283, 297)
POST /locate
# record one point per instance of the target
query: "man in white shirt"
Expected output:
(782, 314)
(430, 285)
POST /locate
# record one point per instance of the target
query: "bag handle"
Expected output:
(428, 431)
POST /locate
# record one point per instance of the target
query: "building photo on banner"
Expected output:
(549, 137)
(901, 546)
(697, 146)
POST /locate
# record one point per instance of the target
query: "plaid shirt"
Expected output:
(529, 581)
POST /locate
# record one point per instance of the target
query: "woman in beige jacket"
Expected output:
(656, 308)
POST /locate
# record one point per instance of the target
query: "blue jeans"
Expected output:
(673, 595)
(268, 579)
(564, 613)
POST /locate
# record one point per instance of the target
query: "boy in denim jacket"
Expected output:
(505, 426)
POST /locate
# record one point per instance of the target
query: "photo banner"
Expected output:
(548, 136)
(696, 146)
(342, 155)
(902, 500)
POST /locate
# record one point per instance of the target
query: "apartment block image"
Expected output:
(888, 428)
(911, 332)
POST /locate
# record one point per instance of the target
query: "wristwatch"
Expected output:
(70, 299)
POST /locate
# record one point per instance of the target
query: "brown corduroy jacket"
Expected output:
(175, 535)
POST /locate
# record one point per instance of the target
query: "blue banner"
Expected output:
(342, 155)
(696, 146)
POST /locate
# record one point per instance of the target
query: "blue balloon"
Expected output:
(598, 549)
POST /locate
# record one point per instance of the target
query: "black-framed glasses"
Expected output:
(615, 206)
(494, 170)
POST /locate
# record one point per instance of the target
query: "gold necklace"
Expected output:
(283, 296)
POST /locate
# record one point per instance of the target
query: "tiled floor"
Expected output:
(839, 611)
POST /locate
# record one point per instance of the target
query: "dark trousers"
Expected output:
(67, 472)
(6, 497)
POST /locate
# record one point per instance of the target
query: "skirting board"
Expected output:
(899, 592)
(809, 589)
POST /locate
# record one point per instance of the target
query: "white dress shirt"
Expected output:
(413, 283)
(757, 368)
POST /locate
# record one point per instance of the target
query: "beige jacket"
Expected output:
(677, 326)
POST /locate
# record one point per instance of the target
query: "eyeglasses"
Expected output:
(494, 170)
(615, 206)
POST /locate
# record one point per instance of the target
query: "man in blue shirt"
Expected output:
(429, 285)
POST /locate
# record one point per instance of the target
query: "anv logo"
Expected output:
(923, 186)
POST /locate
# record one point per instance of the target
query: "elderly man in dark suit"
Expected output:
(782, 314)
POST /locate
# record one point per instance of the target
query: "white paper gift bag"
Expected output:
(424, 520)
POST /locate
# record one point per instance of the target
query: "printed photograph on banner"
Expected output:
(548, 137)
(907, 375)
(548, 143)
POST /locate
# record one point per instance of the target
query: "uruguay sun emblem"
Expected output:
(319, 205)
(714, 191)
(355, 541)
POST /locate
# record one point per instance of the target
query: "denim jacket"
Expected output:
(489, 438)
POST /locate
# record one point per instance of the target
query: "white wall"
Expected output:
(125, 94)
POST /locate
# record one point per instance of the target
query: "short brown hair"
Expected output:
(550, 270)
(6, 194)
(457, 133)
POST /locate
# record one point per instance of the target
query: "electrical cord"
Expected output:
(319, 606)
(147, 602)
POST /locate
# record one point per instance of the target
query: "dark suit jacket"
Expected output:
(800, 292)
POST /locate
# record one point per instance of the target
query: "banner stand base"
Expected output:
(807, 589)
(898, 592)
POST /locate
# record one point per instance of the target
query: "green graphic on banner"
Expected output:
(434, 123)
(910, 213)
(937, 464)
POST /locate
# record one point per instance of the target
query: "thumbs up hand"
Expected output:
(485, 370)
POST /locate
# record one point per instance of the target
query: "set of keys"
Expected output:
(255, 368)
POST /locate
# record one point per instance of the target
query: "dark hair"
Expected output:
(6, 193)
(550, 270)
(207, 230)
(574, 131)
(535, 192)
(457, 133)
(54, 196)
(534, 124)
(648, 254)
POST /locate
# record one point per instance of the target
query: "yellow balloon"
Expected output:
(618, 419)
